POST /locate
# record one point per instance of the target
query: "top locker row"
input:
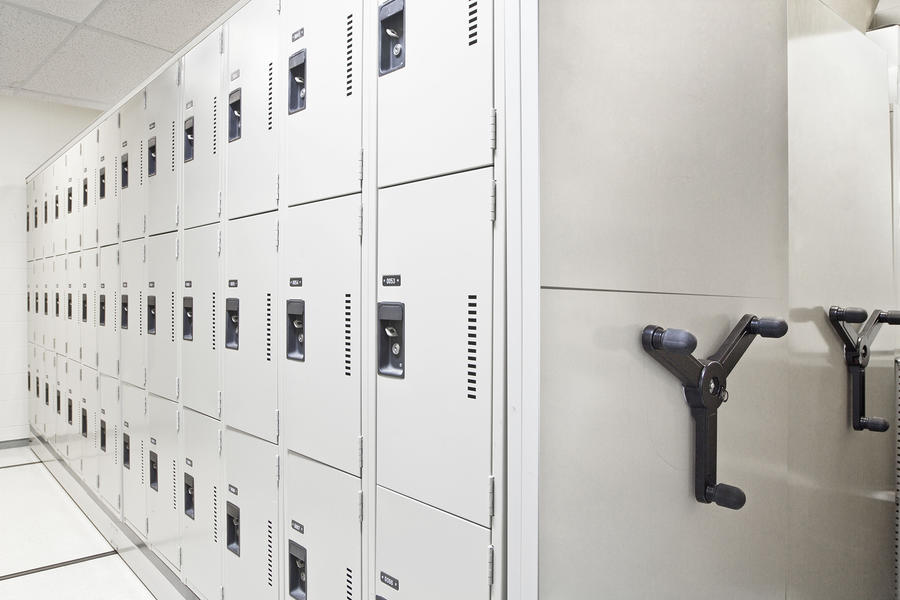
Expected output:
(270, 105)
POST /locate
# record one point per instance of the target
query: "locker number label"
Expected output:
(188, 462)
(390, 581)
(188, 284)
(232, 283)
(390, 280)
(298, 527)
(296, 282)
(232, 489)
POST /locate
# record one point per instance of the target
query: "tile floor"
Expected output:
(48, 548)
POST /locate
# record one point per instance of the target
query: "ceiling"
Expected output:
(91, 53)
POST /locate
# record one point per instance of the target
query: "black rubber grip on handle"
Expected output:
(891, 317)
(677, 340)
(850, 314)
(726, 496)
(875, 424)
(769, 328)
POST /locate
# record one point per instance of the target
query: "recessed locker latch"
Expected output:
(154, 471)
(391, 350)
(151, 315)
(297, 82)
(857, 351)
(296, 330)
(126, 451)
(102, 435)
(189, 139)
(124, 324)
(189, 495)
(234, 115)
(705, 391)
(187, 318)
(84, 310)
(232, 317)
(151, 157)
(297, 576)
(392, 37)
(102, 310)
(233, 528)
(124, 162)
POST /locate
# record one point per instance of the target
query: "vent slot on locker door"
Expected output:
(84, 192)
(270, 97)
(234, 115)
(189, 139)
(473, 22)
(151, 157)
(233, 528)
(296, 336)
(151, 315)
(391, 350)
(84, 423)
(349, 55)
(392, 37)
(172, 317)
(189, 496)
(126, 451)
(187, 318)
(232, 318)
(154, 471)
(124, 320)
(268, 327)
(215, 511)
(103, 183)
(297, 574)
(348, 361)
(215, 120)
(269, 554)
(102, 310)
(102, 435)
(84, 310)
(297, 82)
(214, 328)
(124, 170)
(471, 348)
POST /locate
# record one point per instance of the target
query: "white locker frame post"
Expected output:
(132, 296)
(108, 209)
(109, 446)
(163, 154)
(135, 442)
(163, 481)
(161, 314)
(132, 180)
(87, 306)
(108, 311)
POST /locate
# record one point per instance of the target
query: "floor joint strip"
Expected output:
(66, 563)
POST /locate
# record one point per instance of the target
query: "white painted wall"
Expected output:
(30, 131)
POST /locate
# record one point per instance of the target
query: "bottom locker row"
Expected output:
(207, 502)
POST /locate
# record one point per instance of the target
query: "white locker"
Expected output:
(110, 453)
(250, 512)
(88, 407)
(135, 457)
(87, 190)
(252, 154)
(203, 131)
(163, 150)
(247, 311)
(58, 216)
(131, 313)
(320, 302)
(435, 106)
(162, 349)
(34, 402)
(31, 230)
(323, 533)
(71, 198)
(70, 299)
(108, 181)
(87, 306)
(163, 498)
(132, 168)
(422, 552)
(323, 122)
(108, 311)
(200, 319)
(31, 300)
(202, 531)
(69, 382)
(48, 421)
(435, 299)
(58, 327)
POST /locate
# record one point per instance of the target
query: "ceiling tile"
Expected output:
(73, 10)
(96, 66)
(166, 24)
(26, 40)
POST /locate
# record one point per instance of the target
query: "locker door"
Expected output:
(131, 313)
(203, 531)
(69, 382)
(58, 279)
(52, 424)
(88, 407)
(135, 457)
(132, 168)
(162, 350)
(434, 393)
(250, 514)
(320, 302)
(72, 197)
(110, 445)
(251, 157)
(323, 535)
(163, 150)
(435, 88)
(58, 208)
(324, 108)
(416, 545)
(203, 132)
(163, 482)
(86, 301)
(200, 318)
(71, 306)
(251, 382)
(87, 190)
(108, 182)
(108, 311)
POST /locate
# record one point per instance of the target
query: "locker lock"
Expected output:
(102, 307)
(297, 82)
(392, 39)
(297, 571)
(705, 390)
(232, 316)
(391, 350)
(187, 318)
(154, 471)
(189, 495)
(857, 352)
(151, 315)
(124, 323)
(233, 528)
(296, 330)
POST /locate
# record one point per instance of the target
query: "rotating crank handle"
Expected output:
(849, 315)
(678, 341)
(726, 496)
(768, 328)
(874, 423)
(891, 317)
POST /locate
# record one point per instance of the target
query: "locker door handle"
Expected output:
(297, 572)
(189, 139)
(705, 389)
(392, 37)
(296, 330)
(234, 115)
(391, 342)
(151, 157)
(154, 471)
(102, 310)
(126, 451)
(232, 323)
(233, 528)
(151, 315)
(189, 495)
(297, 82)
(187, 318)
(857, 352)
(124, 323)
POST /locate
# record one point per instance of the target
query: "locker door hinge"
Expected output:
(145, 405)
(118, 393)
(178, 387)
(145, 377)
(118, 235)
(179, 557)
(97, 382)
(119, 501)
(117, 366)
(490, 565)
(177, 214)
(361, 164)
(277, 188)
(360, 506)
(177, 244)
(277, 424)
(278, 7)
(97, 358)
(491, 496)
(178, 82)
(98, 481)
(177, 420)
(493, 200)
(360, 454)
(145, 224)
(359, 219)
(145, 99)
(219, 403)
(222, 51)
(219, 243)
(147, 525)
(277, 233)
(493, 129)
(220, 443)
(277, 469)
(219, 204)
(144, 247)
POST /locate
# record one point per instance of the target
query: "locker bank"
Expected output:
(449, 299)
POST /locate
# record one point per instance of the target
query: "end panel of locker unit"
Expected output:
(426, 126)
(164, 481)
(132, 172)
(323, 115)
(108, 146)
(109, 455)
(319, 313)
(69, 308)
(415, 546)
(86, 193)
(161, 314)
(435, 340)
(250, 500)
(247, 314)
(163, 142)
(203, 515)
(135, 457)
(201, 308)
(71, 198)
(88, 409)
(86, 306)
(108, 311)
(204, 131)
(323, 534)
(251, 97)
(132, 317)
